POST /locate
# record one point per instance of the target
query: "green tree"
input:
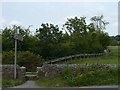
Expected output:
(24, 58)
(49, 37)
(8, 41)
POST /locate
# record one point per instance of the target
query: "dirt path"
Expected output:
(28, 84)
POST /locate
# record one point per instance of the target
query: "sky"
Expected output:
(36, 13)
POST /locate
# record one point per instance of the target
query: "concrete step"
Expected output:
(31, 75)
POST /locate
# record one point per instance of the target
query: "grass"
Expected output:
(11, 82)
(110, 59)
(91, 76)
(54, 82)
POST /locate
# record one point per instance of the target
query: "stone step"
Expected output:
(31, 75)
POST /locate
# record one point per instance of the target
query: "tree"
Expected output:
(98, 22)
(49, 37)
(76, 25)
(8, 41)
(87, 38)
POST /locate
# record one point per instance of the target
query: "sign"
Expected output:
(18, 37)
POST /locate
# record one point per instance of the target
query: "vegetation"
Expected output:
(115, 40)
(11, 82)
(48, 82)
(49, 41)
(24, 58)
(82, 77)
(89, 76)
(112, 58)
(92, 76)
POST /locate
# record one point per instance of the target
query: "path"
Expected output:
(31, 84)
(28, 84)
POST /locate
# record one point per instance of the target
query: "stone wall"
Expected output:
(52, 70)
(8, 71)
(48, 70)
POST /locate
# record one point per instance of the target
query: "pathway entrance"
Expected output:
(31, 75)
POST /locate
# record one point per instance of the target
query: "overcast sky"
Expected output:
(35, 13)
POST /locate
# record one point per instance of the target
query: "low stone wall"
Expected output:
(52, 70)
(48, 70)
(8, 71)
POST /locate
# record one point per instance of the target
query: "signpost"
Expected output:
(16, 38)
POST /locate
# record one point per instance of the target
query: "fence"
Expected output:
(73, 57)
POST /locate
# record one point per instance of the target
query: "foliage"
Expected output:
(51, 42)
(48, 39)
(87, 38)
(25, 58)
(115, 40)
(91, 76)
(82, 77)
(11, 82)
(112, 58)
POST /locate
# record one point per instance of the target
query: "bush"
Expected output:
(25, 58)
(91, 76)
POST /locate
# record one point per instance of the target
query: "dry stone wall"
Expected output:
(52, 70)
(8, 71)
(48, 70)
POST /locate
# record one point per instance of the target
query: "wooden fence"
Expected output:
(66, 58)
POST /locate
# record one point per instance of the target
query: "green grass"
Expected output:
(54, 82)
(98, 60)
(11, 82)
(90, 76)
(110, 59)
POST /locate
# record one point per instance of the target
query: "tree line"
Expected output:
(115, 40)
(50, 41)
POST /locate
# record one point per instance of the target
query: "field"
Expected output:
(112, 58)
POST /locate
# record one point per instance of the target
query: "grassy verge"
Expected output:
(54, 82)
(92, 77)
(88, 77)
(11, 82)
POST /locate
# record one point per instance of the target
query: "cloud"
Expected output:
(100, 8)
(15, 22)
(115, 24)
(59, 1)
(2, 20)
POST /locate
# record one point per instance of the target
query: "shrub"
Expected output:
(92, 76)
(25, 58)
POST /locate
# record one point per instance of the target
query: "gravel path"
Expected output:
(28, 84)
